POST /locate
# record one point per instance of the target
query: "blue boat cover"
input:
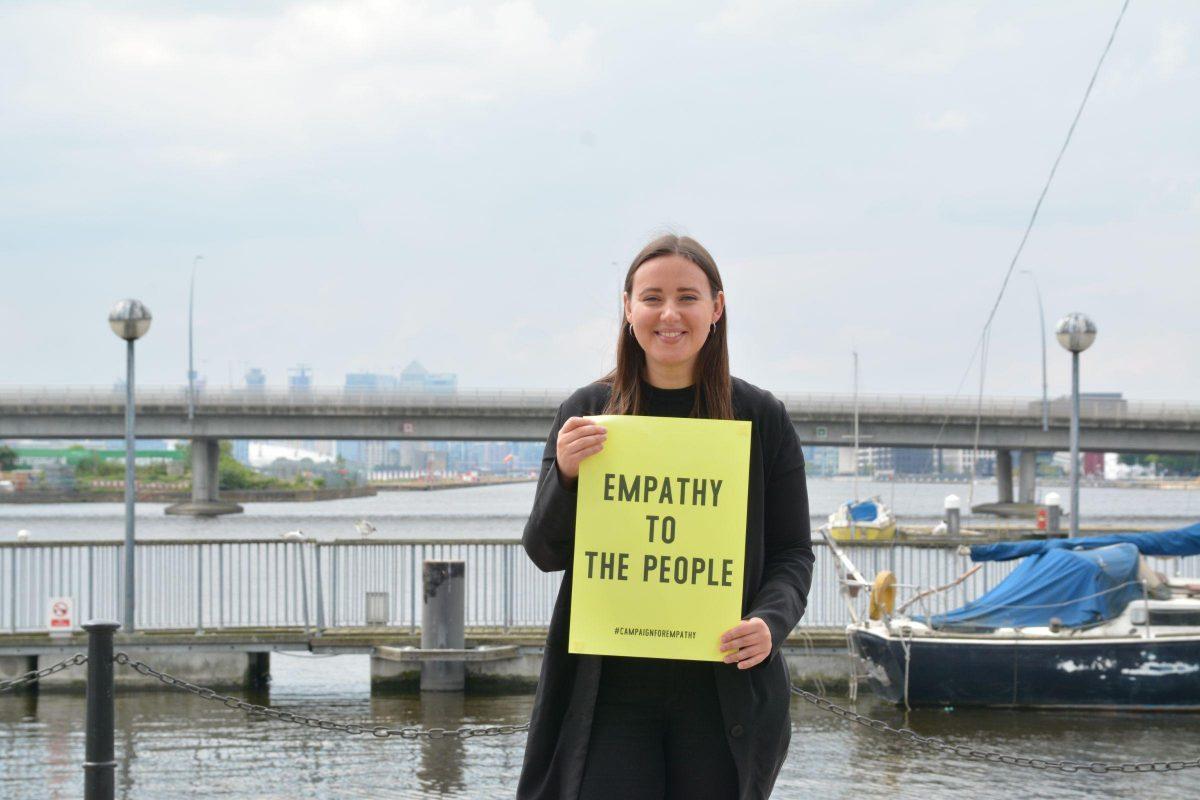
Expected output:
(863, 512)
(1078, 587)
(1179, 542)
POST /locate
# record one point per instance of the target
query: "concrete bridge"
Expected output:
(1000, 423)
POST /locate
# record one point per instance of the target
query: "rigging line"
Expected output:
(1054, 168)
(987, 338)
(937, 438)
(980, 343)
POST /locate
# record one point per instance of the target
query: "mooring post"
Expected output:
(100, 767)
(1054, 512)
(953, 515)
(443, 622)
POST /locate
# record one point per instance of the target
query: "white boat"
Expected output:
(862, 520)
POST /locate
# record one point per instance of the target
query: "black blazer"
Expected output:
(778, 573)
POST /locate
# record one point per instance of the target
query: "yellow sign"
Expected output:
(660, 538)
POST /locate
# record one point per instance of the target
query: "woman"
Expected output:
(632, 728)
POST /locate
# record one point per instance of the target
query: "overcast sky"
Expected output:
(465, 183)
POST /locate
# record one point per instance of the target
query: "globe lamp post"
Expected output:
(1075, 332)
(130, 320)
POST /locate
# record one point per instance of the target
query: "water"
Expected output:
(177, 745)
(499, 512)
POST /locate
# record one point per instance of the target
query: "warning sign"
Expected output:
(61, 618)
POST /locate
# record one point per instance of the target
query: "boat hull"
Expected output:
(1158, 674)
(863, 533)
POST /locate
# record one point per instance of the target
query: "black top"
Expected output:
(668, 402)
(777, 576)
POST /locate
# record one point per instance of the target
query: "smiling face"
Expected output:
(671, 309)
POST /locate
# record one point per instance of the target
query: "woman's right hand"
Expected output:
(577, 439)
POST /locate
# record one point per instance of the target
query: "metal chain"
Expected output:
(37, 674)
(379, 731)
(965, 751)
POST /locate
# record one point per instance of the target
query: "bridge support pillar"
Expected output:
(1027, 477)
(1004, 475)
(206, 456)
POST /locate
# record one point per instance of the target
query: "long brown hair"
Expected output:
(713, 386)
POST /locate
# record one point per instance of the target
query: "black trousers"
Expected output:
(657, 732)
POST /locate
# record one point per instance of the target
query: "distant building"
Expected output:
(912, 460)
(415, 378)
(300, 379)
(956, 461)
(371, 382)
(408, 454)
(256, 384)
(255, 452)
(874, 460)
(821, 461)
(263, 454)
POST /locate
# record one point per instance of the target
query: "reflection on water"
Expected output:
(177, 745)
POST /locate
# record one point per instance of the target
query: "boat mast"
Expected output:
(855, 425)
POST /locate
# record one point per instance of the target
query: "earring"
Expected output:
(629, 325)
(712, 329)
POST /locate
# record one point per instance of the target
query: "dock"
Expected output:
(500, 662)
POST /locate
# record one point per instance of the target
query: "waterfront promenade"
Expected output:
(215, 610)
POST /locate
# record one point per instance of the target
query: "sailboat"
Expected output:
(861, 520)
(1080, 623)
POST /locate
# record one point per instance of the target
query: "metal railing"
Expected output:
(48, 399)
(315, 586)
(268, 583)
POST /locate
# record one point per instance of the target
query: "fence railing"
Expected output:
(315, 586)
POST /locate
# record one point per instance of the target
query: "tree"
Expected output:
(233, 474)
(1175, 464)
(8, 458)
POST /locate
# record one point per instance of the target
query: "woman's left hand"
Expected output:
(749, 641)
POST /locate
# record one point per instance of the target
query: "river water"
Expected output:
(499, 512)
(176, 745)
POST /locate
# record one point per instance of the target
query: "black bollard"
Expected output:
(100, 766)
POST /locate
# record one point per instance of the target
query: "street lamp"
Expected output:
(1076, 333)
(191, 371)
(1041, 336)
(130, 320)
